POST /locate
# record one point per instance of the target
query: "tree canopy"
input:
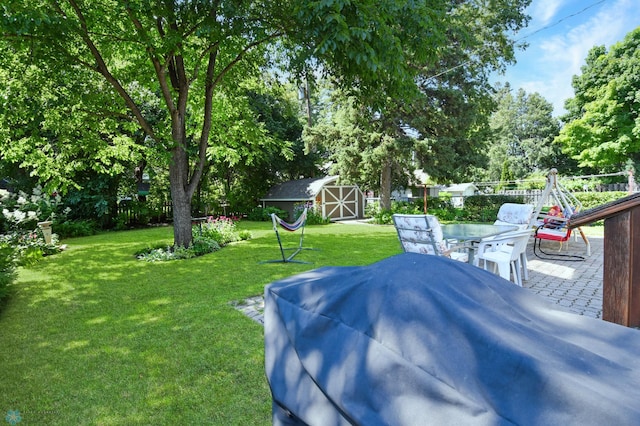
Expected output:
(523, 130)
(602, 130)
(176, 54)
(442, 125)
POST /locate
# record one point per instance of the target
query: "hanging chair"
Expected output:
(299, 224)
(554, 228)
(551, 225)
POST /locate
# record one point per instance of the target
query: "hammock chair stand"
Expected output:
(291, 227)
(541, 254)
(554, 228)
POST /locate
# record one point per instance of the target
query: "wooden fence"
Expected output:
(137, 213)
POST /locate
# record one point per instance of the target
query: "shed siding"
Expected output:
(336, 202)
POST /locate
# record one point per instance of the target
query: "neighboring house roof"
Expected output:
(301, 189)
(460, 187)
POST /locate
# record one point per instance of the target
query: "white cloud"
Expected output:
(552, 61)
(544, 11)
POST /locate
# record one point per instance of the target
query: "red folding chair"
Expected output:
(554, 228)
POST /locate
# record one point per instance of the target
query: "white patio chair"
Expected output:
(420, 233)
(516, 215)
(505, 251)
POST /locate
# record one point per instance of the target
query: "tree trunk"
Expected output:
(385, 186)
(181, 216)
(180, 197)
(181, 219)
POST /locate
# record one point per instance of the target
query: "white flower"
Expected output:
(14, 216)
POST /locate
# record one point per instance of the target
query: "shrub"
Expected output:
(203, 245)
(590, 200)
(7, 267)
(75, 228)
(439, 207)
(477, 208)
(134, 213)
(22, 211)
(263, 214)
(371, 209)
(20, 214)
(314, 214)
(207, 238)
(245, 234)
(221, 229)
(447, 214)
(29, 246)
(383, 217)
(164, 253)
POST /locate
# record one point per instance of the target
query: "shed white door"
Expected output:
(341, 202)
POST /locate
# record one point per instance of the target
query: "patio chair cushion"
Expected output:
(420, 234)
(553, 234)
(514, 214)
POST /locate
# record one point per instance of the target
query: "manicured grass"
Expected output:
(593, 231)
(94, 336)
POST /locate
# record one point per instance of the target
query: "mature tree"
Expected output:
(50, 135)
(184, 51)
(352, 138)
(603, 121)
(442, 126)
(49, 130)
(259, 143)
(280, 113)
(523, 132)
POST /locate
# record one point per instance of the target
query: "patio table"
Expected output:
(473, 233)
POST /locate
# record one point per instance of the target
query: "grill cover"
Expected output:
(423, 340)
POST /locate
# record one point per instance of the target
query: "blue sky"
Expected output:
(556, 53)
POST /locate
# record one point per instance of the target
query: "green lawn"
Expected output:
(94, 336)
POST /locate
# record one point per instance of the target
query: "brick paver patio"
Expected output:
(574, 285)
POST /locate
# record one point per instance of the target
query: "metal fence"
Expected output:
(532, 196)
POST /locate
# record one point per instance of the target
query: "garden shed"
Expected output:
(459, 191)
(336, 202)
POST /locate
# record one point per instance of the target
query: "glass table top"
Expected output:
(474, 231)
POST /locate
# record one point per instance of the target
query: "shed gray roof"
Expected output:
(460, 187)
(298, 190)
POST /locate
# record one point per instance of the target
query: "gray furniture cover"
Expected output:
(424, 340)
